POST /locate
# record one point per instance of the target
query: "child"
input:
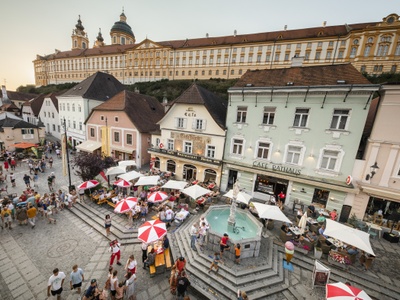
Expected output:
(237, 254)
(120, 291)
(216, 261)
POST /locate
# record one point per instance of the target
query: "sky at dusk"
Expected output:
(36, 27)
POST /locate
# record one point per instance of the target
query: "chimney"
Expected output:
(285, 27)
(207, 35)
(4, 92)
(324, 24)
(235, 33)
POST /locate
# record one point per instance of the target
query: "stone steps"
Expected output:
(258, 282)
(374, 287)
(95, 219)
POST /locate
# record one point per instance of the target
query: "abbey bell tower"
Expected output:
(79, 36)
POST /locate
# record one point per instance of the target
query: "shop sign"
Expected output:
(275, 167)
(188, 156)
(190, 112)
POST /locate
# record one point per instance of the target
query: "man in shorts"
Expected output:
(76, 279)
(55, 284)
(6, 217)
(223, 244)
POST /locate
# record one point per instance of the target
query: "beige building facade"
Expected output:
(191, 139)
(382, 190)
(373, 48)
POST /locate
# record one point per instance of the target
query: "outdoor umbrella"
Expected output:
(116, 170)
(195, 191)
(24, 145)
(152, 231)
(125, 205)
(348, 235)
(130, 175)
(175, 185)
(88, 184)
(241, 196)
(148, 180)
(157, 197)
(303, 222)
(341, 291)
(122, 183)
(126, 163)
(270, 212)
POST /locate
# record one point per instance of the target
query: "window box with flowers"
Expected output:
(339, 260)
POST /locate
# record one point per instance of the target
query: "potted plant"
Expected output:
(353, 220)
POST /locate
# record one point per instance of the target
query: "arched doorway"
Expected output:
(171, 166)
(189, 172)
(210, 175)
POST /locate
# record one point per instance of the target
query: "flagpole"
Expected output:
(66, 146)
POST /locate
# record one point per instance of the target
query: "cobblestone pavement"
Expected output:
(28, 256)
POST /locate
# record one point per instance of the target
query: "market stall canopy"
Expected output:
(88, 146)
(24, 145)
(241, 196)
(175, 185)
(270, 212)
(148, 180)
(341, 291)
(115, 170)
(130, 175)
(348, 235)
(195, 191)
(127, 163)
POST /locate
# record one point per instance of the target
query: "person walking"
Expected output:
(31, 212)
(6, 217)
(193, 236)
(76, 279)
(6, 165)
(113, 284)
(13, 163)
(115, 252)
(144, 252)
(107, 224)
(130, 286)
(131, 264)
(183, 283)
(215, 262)
(27, 180)
(55, 284)
(12, 179)
(51, 162)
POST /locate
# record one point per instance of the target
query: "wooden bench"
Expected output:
(111, 204)
(100, 202)
(168, 259)
(152, 270)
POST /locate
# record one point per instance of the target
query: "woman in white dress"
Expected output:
(130, 286)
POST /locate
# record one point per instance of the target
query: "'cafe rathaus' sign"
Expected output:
(278, 168)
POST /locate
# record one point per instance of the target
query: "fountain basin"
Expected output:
(246, 232)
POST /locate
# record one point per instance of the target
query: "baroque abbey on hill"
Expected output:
(372, 48)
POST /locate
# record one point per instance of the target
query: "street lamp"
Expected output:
(373, 169)
(66, 149)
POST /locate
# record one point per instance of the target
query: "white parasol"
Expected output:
(130, 175)
(175, 185)
(195, 191)
(270, 212)
(148, 180)
(116, 170)
(303, 222)
(241, 196)
(348, 235)
(126, 163)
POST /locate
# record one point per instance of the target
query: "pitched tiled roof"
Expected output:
(19, 96)
(303, 76)
(143, 111)
(10, 107)
(36, 104)
(100, 86)
(216, 106)
(54, 99)
(15, 123)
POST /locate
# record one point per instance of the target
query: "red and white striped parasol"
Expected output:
(157, 197)
(152, 231)
(125, 205)
(123, 183)
(88, 184)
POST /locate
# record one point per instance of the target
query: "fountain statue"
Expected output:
(232, 215)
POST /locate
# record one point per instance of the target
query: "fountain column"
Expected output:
(232, 214)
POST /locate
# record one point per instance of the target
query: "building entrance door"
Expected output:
(189, 172)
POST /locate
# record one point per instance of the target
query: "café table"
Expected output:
(296, 231)
(336, 243)
(375, 227)
(312, 221)
(160, 257)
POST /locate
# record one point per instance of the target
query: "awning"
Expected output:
(122, 149)
(89, 146)
(24, 145)
(381, 192)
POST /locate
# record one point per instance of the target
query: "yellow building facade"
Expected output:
(373, 48)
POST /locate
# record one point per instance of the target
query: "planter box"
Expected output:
(390, 237)
(337, 264)
(317, 253)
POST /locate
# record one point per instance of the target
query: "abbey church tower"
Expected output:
(79, 36)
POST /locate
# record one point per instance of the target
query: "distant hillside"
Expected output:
(158, 89)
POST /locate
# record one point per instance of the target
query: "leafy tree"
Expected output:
(88, 165)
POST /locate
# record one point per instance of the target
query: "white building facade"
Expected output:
(50, 117)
